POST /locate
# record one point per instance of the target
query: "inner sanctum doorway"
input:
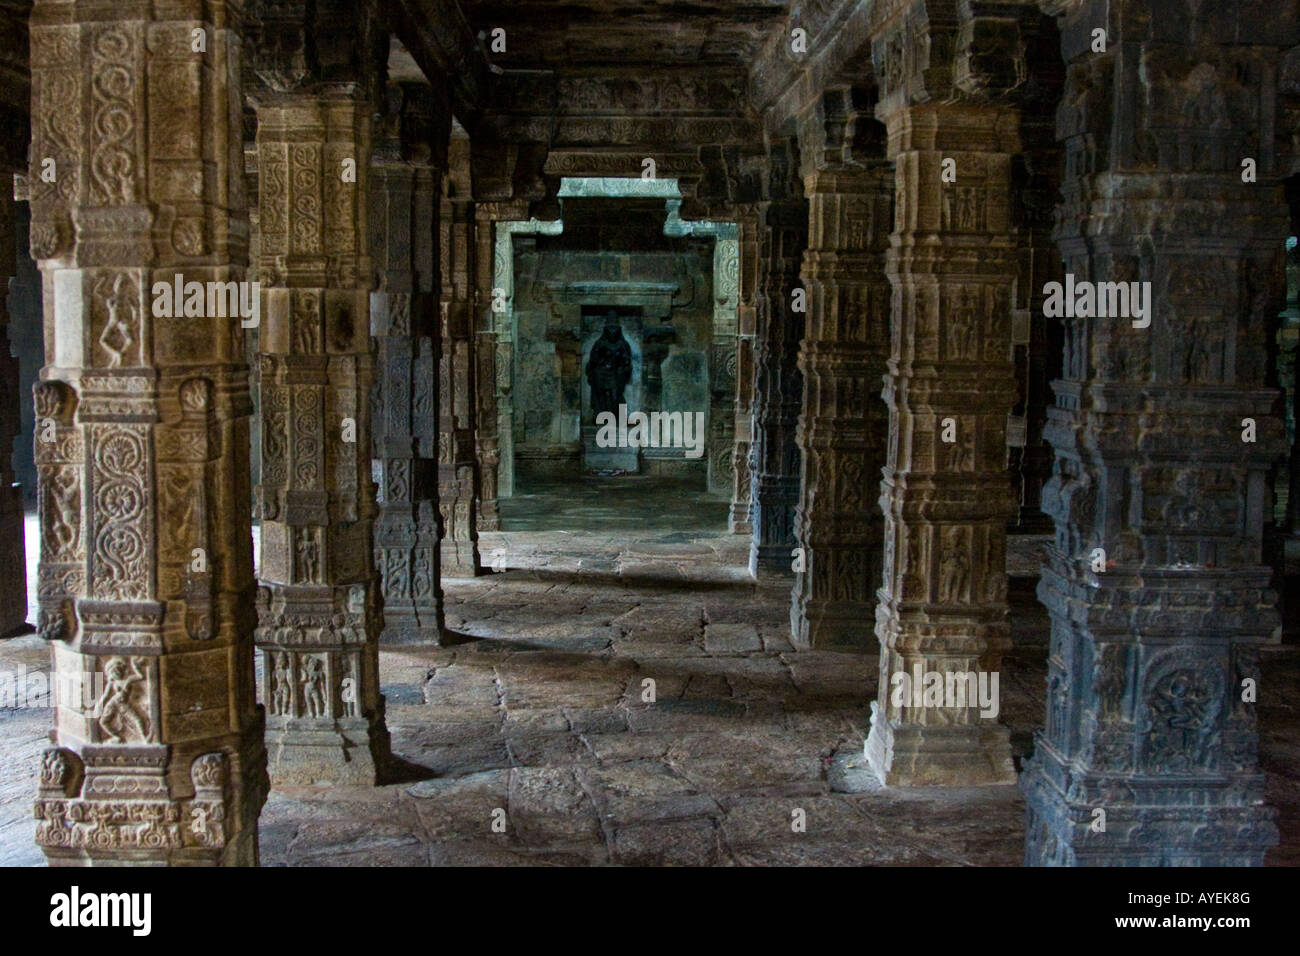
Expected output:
(617, 354)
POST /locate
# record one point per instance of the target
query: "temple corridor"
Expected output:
(630, 431)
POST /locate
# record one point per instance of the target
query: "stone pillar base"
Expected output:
(738, 520)
(830, 626)
(408, 553)
(489, 517)
(94, 810)
(772, 517)
(911, 755)
(410, 630)
(1227, 826)
(460, 559)
(348, 750)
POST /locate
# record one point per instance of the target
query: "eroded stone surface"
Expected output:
(553, 730)
(587, 773)
(319, 604)
(405, 195)
(145, 588)
(1155, 646)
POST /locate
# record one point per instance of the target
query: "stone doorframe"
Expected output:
(730, 345)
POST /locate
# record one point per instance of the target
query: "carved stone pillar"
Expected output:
(13, 554)
(1164, 429)
(457, 460)
(841, 432)
(745, 400)
(779, 384)
(725, 354)
(320, 604)
(404, 318)
(494, 348)
(947, 496)
(490, 394)
(145, 580)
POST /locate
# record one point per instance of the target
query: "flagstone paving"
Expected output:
(533, 738)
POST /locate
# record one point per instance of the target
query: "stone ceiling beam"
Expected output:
(444, 45)
(782, 83)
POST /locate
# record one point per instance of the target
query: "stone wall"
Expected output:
(664, 303)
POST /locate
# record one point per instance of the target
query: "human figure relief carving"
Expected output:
(313, 687)
(55, 768)
(1109, 680)
(349, 687)
(118, 334)
(282, 685)
(421, 575)
(961, 325)
(1056, 705)
(959, 455)
(307, 555)
(969, 207)
(118, 715)
(305, 320)
(954, 580)
(1184, 723)
(63, 512)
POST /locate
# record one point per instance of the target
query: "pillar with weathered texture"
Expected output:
(726, 352)
(841, 431)
(947, 496)
(745, 400)
(1164, 429)
(13, 554)
(319, 604)
(493, 408)
(145, 579)
(779, 384)
(457, 461)
(404, 199)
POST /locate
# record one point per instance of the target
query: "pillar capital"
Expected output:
(324, 47)
(937, 51)
(414, 127)
(952, 128)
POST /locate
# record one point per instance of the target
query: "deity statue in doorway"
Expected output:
(609, 368)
